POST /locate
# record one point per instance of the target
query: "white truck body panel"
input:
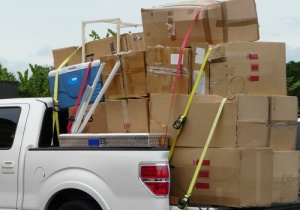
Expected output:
(108, 176)
(30, 176)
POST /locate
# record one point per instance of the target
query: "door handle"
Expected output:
(8, 167)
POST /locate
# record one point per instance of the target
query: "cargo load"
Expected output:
(218, 22)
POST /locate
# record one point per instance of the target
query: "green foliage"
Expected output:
(110, 32)
(36, 85)
(5, 75)
(94, 35)
(293, 79)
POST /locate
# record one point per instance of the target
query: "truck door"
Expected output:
(12, 126)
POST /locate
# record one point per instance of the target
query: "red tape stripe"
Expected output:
(203, 174)
(202, 185)
(253, 78)
(70, 123)
(254, 67)
(179, 63)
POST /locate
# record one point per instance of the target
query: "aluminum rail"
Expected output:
(116, 21)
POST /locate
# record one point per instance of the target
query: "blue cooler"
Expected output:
(69, 83)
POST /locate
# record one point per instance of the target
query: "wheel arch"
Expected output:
(65, 195)
(56, 188)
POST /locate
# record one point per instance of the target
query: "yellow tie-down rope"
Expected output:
(183, 203)
(178, 124)
(55, 100)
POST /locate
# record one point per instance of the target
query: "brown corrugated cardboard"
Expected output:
(105, 46)
(283, 122)
(134, 74)
(283, 136)
(161, 70)
(115, 89)
(248, 68)
(218, 22)
(97, 122)
(285, 177)
(228, 177)
(283, 109)
(59, 55)
(199, 49)
(243, 122)
(135, 41)
(127, 116)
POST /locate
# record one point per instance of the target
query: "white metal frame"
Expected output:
(116, 21)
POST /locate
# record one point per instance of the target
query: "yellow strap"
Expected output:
(55, 100)
(186, 110)
(212, 130)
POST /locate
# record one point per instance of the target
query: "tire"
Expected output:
(79, 205)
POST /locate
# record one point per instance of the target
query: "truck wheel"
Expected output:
(79, 205)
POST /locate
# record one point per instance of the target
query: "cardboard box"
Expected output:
(227, 177)
(97, 122)
(218, 22)
(285, 177)
(283, 109)
(248, 68)
(59, 55)
(105, 46)
(243, 122)
(283, 122)
(135, 41)
(162, 64)
(199, 49)
(283, 136)
(134, 74)
(115, 89)
(127, 116)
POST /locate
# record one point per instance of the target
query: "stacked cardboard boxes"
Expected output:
(251, 160)
(101, 47)
(242, 166)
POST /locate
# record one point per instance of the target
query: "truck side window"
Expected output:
(46, 133)
(9, 117)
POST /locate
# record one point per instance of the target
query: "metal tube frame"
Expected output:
(116, 21)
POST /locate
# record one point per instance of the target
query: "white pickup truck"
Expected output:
(36, 175)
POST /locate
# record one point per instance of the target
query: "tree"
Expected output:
(5, 75)
(293, 79)
(37, 85)
(96, 36)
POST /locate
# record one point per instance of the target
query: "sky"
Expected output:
(31, 29)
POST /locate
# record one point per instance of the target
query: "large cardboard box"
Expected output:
(135, 41)
(283, 136)
(127, 116)
(228, 177)
(218, 22)
(283, 122)
(59, 55)
(105, 46)
(97, 123)
(285, 177)
(199, 49)
(248, 68)
(134, 74)
(115, 89)
(283, 109)
(162, 65)
(243, 122)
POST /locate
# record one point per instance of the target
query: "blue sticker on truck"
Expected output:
(94, 142)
